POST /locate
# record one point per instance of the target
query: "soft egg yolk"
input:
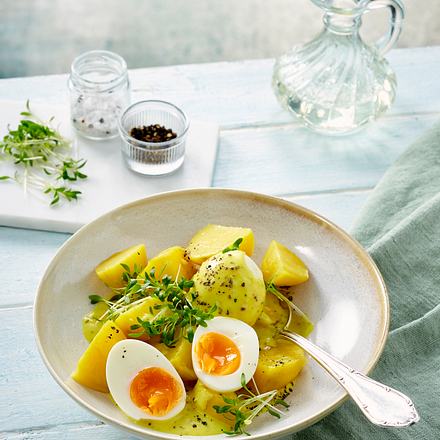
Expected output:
(155, 391)
(217, 354)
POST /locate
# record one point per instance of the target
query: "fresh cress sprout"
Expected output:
(300, 322)
(175, 317)
(42, 158)
(247, 405)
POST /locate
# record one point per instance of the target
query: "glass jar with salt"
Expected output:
(99, 91)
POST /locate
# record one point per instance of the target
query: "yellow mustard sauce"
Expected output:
(191, 421)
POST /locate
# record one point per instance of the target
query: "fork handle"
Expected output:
(382, 405)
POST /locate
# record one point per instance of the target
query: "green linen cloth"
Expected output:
(400, 228)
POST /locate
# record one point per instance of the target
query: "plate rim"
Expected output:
(265, 198)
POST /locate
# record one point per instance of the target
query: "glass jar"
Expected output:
(337, 82)
(99, 92)
(153, 158)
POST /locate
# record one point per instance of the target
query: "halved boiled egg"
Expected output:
(143, 382)
(223, 351)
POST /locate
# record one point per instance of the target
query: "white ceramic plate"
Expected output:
(345, 297)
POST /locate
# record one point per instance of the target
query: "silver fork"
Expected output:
(381, 404)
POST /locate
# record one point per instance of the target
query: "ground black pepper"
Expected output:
(153, 133)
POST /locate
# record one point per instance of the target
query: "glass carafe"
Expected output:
(337, 82)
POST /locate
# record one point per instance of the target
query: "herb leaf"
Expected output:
(234, 246)
(174, 317)
(95, 299)
(246, 406)
(177, 317)
(42, 158)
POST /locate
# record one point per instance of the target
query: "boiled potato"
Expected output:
(205, 399)
(92, 321)
(171, 262)
(214, 238)
(271, 322)
(180, 357)
(144, 310)
(282, 267)
(232, 282)
(110, 270)
(279, 365)
(90, 370)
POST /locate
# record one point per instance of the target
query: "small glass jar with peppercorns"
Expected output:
(153, 137)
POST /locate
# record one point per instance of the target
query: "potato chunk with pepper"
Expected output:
(279, 365)
(90, 370)
(171, 262)
(214, 238)
(145, 310)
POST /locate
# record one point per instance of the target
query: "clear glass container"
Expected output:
(153, 158)
(336, 83)
(99, 92)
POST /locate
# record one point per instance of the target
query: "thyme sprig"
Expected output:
(42, 158)
(247, 405)
(174, 317)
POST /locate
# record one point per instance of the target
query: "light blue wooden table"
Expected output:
(261, 149)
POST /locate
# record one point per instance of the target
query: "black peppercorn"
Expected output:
(153, 133)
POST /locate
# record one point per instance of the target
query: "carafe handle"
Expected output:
(397, 11)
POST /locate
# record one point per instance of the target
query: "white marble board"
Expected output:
(109, 184)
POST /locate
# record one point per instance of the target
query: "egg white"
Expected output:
(125, 360)
(246, 340)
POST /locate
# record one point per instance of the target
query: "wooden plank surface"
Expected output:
(29, 395)
(235, 94)
(70, 431)
(24, 254)
(293, 160)
(261, 148)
